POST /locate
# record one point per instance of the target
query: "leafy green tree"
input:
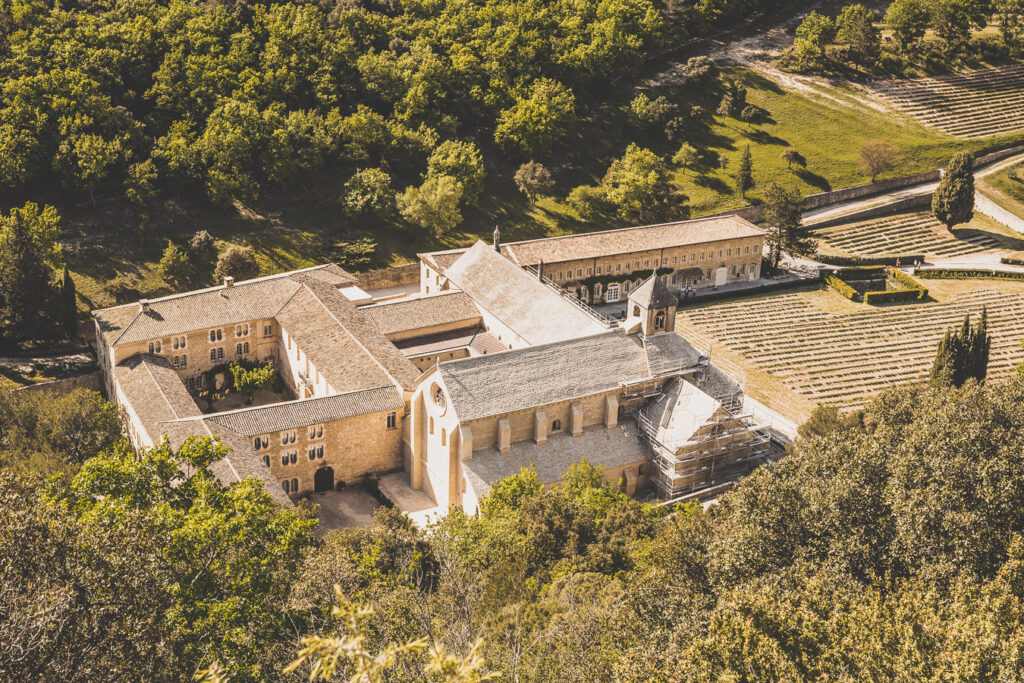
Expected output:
(1011, 21)
(218, 556)
(686, 156)
(855, 27)
(782, 216)
(175, 266)
(876, 158)
(202, 245)
(434, 205)
(238, 262)
(953, 20)
(368, 194)
(745, 173)
(42, 434)
(590, 202)
(908, 20)
(639, 185)
(700, 71)
(461, 160)
(68, 304)
(249, 377)
(953, 200)
(533, 179)
(791, 156)
(534, 123)
(816, 31)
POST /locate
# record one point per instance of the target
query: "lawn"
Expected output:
(299, 230)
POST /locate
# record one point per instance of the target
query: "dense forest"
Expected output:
(239, 97)
(889, 545)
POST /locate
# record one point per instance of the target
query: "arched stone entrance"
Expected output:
(323, 480)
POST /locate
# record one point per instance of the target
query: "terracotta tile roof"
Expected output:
(527, 306)
(653, 293)
(441, 260)
(250, 422)
(600, 445)
(154, 391)
(241, 461)
(423, 312)
(158, 397)
(629, 240)
(364, 343)
(212, 307)
(475, 338)
(539, 375)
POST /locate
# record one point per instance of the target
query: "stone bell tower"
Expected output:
(651, 307)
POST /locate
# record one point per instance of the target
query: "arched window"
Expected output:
(556, 425)
(597, 292)
(295, 485)
(636, 310)
(151, 347)
(286, 485)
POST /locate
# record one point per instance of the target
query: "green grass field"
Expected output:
(295, 231)
(1006, 188)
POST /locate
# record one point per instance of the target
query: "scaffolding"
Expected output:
(720, 451)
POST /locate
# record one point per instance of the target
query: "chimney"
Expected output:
(497, 239)
(229, 281)
(143, 305)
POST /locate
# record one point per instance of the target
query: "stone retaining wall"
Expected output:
(92, 381)
(915, 203)
(395, 276)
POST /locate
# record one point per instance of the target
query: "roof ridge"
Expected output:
(247, 409)
(700, 219)
(354, 338)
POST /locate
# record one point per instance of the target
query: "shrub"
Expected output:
(175, 267)
(238, 262)
(858, 272)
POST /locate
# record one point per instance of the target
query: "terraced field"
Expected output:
(843, 359)
(910, 233)
(969, 105)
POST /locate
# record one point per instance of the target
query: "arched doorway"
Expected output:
(323, 480)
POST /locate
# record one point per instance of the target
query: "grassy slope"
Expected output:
(295, 231)
(1006, 188)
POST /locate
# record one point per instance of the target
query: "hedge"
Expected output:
(908, 282)
(893, 295)
(833, 260)
(968, 274)
(858, 272)
(1010, 261)
(843, 288)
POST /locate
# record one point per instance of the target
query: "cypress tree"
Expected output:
(980, 347)
(942, 368)
(953, 201)
(963, 355)
(25, 280)
(745, 173)
(69, 304)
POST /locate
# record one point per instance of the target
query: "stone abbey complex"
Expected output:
(493, 361)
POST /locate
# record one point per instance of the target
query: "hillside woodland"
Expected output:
(889, 545)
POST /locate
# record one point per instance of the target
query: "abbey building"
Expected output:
(493, 361)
